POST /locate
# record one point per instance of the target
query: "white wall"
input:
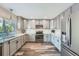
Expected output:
(75, 28)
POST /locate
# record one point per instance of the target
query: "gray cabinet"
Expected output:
(13, 46)
(32, 37)
(58, 23)
(31, 24)
(46, 24)
(5, 50)
(22, 42)
(51, 24)
(63, 22)
(55, 23)
(47, 37)
(19, 43)
(26, 38)
(9, 48)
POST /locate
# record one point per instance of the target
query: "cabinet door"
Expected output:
(27, 38)
(24, 38)
(32, 37)
(31, 24)
(25, 24)
(37, 22)
(58, 23)
(47, 38)
(63, 24)
(54, 23)
(5, 49)
(45, 24)
(13, 46)
(52, 38)
(18, 43)
(51, 24)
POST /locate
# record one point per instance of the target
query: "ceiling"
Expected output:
(37, 10)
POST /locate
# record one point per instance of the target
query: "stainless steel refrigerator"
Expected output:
(70, 44)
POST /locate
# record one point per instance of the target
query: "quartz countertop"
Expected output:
(10, 38)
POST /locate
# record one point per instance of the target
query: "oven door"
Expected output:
(39, 37)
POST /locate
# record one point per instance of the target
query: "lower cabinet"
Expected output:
(27, 38)
(32, 37)
(47, 37)
(19, 43)
(52, 38)
(5, 49)
(57, 42)
(9, 48)
(13, 46)
(22, 40)
(56, 39)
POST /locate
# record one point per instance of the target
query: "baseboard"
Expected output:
(36, 42)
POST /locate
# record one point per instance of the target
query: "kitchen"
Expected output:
(59, 32)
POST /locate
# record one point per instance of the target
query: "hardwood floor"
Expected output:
(38, 49)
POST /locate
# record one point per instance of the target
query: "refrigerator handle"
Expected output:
(70, 32)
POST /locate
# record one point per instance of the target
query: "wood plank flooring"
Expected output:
(38, 49)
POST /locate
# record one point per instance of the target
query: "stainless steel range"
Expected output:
(39, 37)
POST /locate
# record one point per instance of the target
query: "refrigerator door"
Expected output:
(75, 28)
(68, 31)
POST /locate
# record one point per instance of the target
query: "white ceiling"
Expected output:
(37, 10)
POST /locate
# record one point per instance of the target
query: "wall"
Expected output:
(75, 28)
(6, 14)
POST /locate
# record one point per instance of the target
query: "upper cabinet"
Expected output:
(46, 24)
(54, 23)
(38, 22)
(25, 24)
(31, 24)
(51, 24)
(63, 22)
(21, 24)
(58, 23)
